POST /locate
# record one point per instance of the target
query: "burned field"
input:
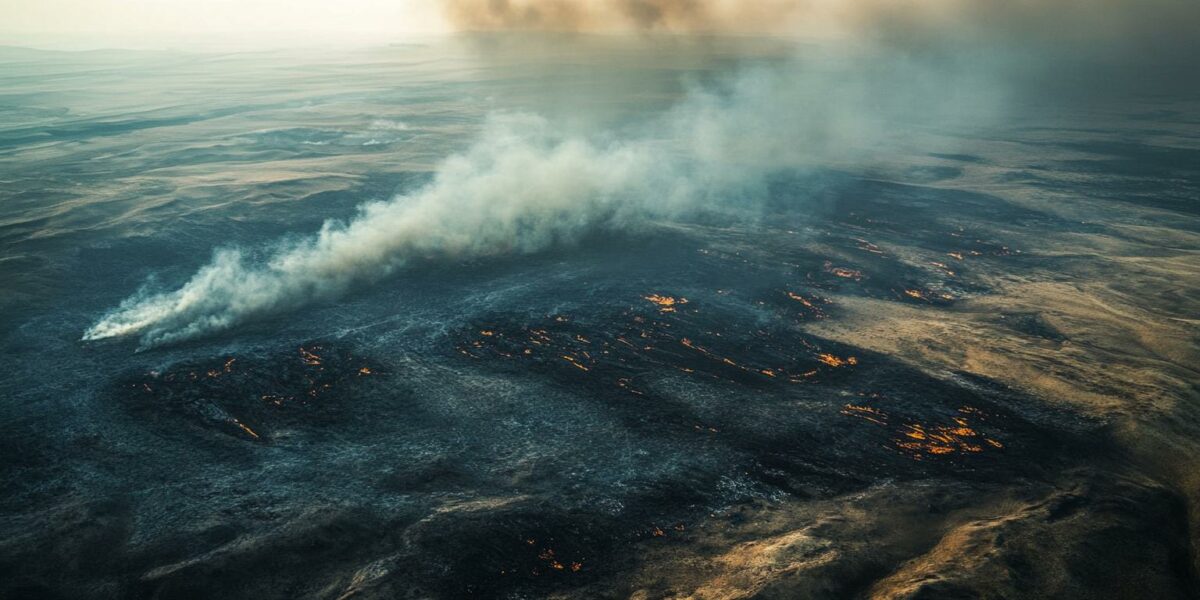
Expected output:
(599, 316)
(740, 415)
(558, 452)
(248, 397)
(832, 414)
(664, 413)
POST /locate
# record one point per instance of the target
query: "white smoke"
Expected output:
(522, 188)
(519, 189)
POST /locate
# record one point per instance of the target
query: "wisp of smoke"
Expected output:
(517, 190)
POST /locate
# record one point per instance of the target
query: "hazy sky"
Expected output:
(158, 18)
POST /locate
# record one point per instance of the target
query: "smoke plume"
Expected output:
(523, 187)
(517, 190)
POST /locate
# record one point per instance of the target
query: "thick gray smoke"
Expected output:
(523, 187)
(1122, 30)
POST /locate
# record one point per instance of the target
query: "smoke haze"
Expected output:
(1125, 29)
(525, 186)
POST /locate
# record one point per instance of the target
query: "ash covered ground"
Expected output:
(963, 367)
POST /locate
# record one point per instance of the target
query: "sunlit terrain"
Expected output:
(280, 325)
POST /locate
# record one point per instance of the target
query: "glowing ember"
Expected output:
(943, 439)
(918, 440)
(800, 299)
(309, 356)
(868, 246)
(666, 303)
(246, 397)
(551, 560)
(843, 272)
(942, 266)
(627, 384)
(246, 429)
(807, 303)
(867, 413)
(574, 362)
(275, 399)
(834, 361)
(618, 356)
(929, 296)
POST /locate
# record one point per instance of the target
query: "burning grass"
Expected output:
(961, 434)
(637, 340)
